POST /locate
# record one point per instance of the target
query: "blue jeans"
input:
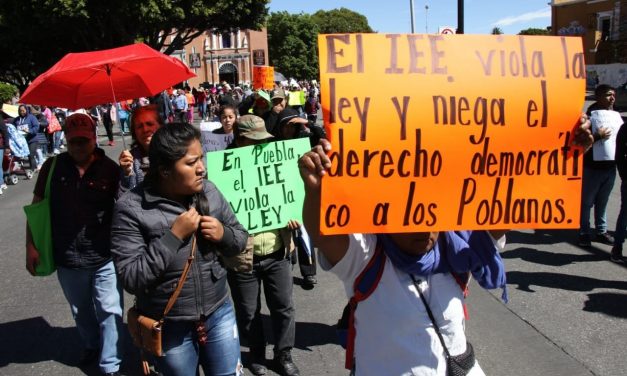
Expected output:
(56, 140)
(123, 124)
(621, 222)
(219, 356)
(94, 297)
(58, 137)
(595, 191)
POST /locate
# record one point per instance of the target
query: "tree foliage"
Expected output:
(37, 33)
(7, 92)
(534, 31)
(341, 21)
(292, 42)
(293, 38)
(497, 31)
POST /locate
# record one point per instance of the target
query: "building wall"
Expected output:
(614, 75)
(216, 56)
(581, 18)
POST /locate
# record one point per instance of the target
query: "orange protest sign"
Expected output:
(451, 132)
(263, 77)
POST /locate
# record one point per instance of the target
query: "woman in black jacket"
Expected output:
(152, 235)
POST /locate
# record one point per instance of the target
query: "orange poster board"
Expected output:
(263, 77)
(451, 132)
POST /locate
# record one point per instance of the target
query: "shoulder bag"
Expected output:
(38, 220)
(54, 125)
(145, 331)
(458, 365)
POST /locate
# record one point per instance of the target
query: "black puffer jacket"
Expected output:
(149, 259)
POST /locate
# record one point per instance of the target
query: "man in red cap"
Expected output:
(83, 187)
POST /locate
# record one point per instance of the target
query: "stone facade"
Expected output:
(229, 57)
(602, 25)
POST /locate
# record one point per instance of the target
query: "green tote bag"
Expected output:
(38, 219)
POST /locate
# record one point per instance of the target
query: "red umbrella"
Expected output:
(85, 79)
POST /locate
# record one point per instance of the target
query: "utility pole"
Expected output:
(426, 19)
(411, 11)
(460, 16)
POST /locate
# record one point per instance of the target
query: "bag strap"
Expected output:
(435, 325)
(364, 285)
(49, 177)
(367, 281)
(179, 286)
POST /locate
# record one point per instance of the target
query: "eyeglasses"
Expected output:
(201, 332)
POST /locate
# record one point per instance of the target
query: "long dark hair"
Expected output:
(168, 145)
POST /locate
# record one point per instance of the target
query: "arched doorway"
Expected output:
(228, 73)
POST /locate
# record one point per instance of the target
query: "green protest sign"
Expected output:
(261, 182)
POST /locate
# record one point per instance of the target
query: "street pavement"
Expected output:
(566, 316)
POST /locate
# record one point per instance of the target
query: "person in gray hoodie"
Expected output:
(152, 235)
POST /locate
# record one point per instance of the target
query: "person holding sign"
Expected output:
(599, 168)
(134, 163)
(418, 273)
(271, 267)
(292, 126)
(156, 225)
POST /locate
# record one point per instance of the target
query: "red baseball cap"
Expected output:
(80, 125)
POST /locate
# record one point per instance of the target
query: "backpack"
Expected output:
(365, 284)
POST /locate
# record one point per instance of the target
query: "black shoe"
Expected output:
(116, 373)
(258, 362)
(257, 367)
(584, 240)
(617, 255)
(604, 238)
(285, 365)
(308, 282)
(88, 357)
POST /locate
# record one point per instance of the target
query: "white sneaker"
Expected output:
(56, 152)
(3, 186)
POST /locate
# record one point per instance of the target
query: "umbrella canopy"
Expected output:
(86, 79)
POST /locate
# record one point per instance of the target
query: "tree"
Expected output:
(38, 33)
(292, 42)
(293, 38)
(7, 92)
(534, 31)
(497, 31)
(341, 21)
